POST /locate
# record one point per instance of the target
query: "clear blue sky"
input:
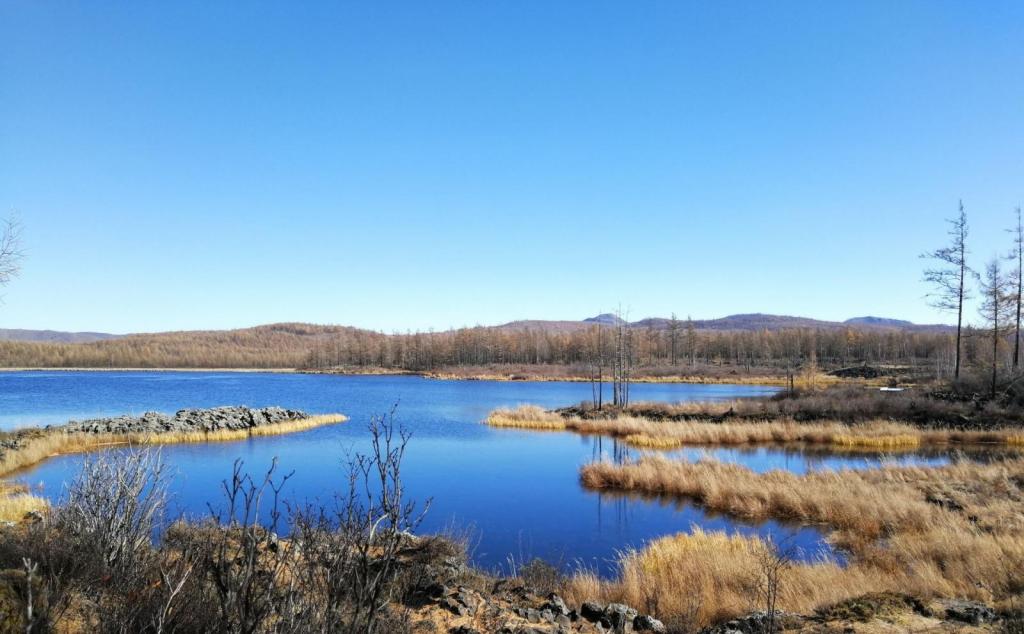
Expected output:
(434, 164)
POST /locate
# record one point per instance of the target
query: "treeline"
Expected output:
(648, 347)
(274, 346)
(322, 347)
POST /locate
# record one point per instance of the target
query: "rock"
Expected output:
(463, 629)
(645, 623)
(435, 590)
(969, 612)
(620, 616)
(556, 605)
(205, 420)
(33, 516)
(592, 611)
(462, 602)
(757, 623)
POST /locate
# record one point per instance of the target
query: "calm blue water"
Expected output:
(517, 491)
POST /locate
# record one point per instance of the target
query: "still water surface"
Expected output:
(517, 491)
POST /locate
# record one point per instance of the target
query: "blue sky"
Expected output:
(414, 165)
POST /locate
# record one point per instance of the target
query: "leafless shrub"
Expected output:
(773, 560)
(541, 576)
(239, 559)
(351, 552)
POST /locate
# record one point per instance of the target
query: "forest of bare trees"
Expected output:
(321, 347)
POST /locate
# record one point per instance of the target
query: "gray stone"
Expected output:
(969, 612)
(645, 623)
(556, 604)
(620, 616)
(205, 420)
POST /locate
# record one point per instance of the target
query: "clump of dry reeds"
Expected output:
(721, 575)
(670, 434)
(526, 417)
(953, 531)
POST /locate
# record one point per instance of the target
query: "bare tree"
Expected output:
(996, 307)
(691, 340)
(1017, 277)
(10, 250)
(950, 277)
(623, 363)
(597, 373)
(673, 334)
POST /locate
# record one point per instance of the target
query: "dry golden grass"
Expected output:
(16, 501)
(47, 445)
(14, 507)
(720, 575)
(646, 433)
(526, 417)
(953, 531)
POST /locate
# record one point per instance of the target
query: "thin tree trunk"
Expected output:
(959, 315)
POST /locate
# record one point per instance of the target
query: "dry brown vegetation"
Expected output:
(540, 351)
(954, 531)
(660, 434)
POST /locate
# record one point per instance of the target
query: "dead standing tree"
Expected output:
(1017, 280)
(673, 335)
(623, 364)
(995, 309)
(950, 277)
(597, 373)
(10, 251)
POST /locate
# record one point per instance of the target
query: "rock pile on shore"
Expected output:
(186, 420)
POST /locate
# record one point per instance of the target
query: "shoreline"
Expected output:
(765, 380)
(31, 446)
(87, 369)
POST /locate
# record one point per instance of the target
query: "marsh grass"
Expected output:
(527, 417)
(660, 434)
(720, 574)
(16, 501)
(953, 531)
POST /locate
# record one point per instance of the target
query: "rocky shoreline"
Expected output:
(187, 420)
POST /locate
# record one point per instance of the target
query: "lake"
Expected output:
(517, 492)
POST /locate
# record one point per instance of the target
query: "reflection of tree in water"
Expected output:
(620, 453)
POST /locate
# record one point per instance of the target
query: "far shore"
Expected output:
(766, 380)
(241, 370)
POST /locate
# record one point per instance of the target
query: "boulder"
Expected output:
(592, 611)
(620, 616)
(969, 612)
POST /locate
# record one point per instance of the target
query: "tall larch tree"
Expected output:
(996, 308)
(1017, 279)
(949, 277)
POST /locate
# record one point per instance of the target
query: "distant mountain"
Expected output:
(53, 336)
(879, 321)
(742, 322)
(607, 319)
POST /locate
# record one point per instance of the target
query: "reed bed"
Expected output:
(720, 575)
(953, 531)
(527, 417)
(657, 434)
(46, 445)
